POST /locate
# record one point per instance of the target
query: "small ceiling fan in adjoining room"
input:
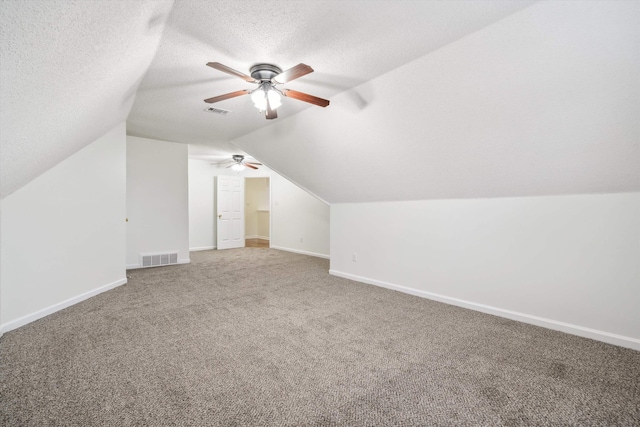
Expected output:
(266, 96)
(238, 163)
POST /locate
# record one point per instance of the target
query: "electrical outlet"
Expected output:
(354, 257)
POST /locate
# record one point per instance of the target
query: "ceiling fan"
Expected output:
(238, 163)
(266, 96)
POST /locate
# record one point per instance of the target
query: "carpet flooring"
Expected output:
(261, 337)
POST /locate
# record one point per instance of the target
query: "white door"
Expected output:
(230, 211)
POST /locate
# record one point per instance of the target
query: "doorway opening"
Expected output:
(257, 212)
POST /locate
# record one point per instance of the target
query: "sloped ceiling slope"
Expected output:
(69, 71)
(346, 42)
(544, 102)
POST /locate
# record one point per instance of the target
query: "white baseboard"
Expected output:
(298, 251)
(581, 331)
(201, 248)
(137, 266)
(255, 236)
(21, 321)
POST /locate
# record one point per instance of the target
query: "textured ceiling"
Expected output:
(543, 102)
(69, 71)
(346, 42)
(452, 99)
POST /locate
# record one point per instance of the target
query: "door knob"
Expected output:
(220, 216)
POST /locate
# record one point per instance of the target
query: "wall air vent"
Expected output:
(157, 260)
(215, 110)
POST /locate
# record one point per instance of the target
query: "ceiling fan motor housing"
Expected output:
(264, 72)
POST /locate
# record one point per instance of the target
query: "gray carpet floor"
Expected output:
(261, 337)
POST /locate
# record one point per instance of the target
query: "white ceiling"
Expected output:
(543, 102)
(69, 71)
(346, 42)
(453, 99)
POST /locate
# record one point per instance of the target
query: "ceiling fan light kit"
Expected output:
(267, 97)
(265, 94)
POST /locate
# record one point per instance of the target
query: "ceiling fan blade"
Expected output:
(249, 166)
(300, 96)
(225, 69)
(271, 114)
(253, 163)
(292, 74)
(226, 96)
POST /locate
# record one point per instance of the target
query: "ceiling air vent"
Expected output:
(215, 110)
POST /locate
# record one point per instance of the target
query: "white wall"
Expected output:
(201, 206)
(543, 102)
(295, 213)
(299, 221)
(257, 207)
(157, 199)
(63, 234)
(570, 263)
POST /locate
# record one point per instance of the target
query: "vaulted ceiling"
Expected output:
(69, 72)
(429, 99)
